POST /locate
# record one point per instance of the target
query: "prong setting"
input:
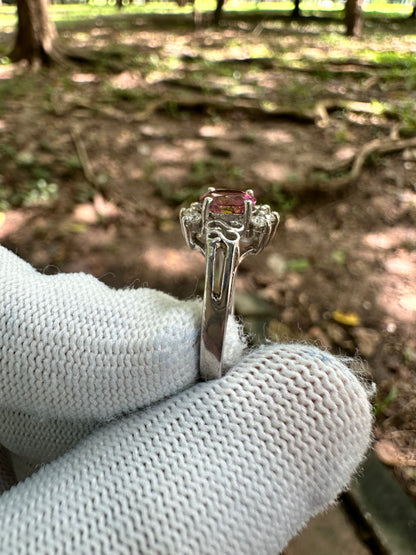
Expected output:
(256, 226)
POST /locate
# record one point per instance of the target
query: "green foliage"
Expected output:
(298, 265)
(73, 162)
(405, 112)
(8, 151)
(15, 89)
(339, 256)
(175, 197)
(382, 403)
(84, 192)
(279, 199)
(396, 60)
(41, 192)
(409, 356)
(213, 171)
(35, 193)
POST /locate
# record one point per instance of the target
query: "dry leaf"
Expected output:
(346, 318)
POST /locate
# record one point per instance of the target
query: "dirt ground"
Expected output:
(96, 160)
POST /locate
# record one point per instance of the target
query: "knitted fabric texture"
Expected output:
(75, 353)
(231, 466)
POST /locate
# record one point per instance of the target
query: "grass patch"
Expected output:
(67, 13)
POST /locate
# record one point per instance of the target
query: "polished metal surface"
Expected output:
(225, 239)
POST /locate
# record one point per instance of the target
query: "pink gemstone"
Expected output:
(227, 201)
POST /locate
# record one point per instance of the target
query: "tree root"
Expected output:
(42, 56)
(355, 164)
(83, 156)
(183, 94)
(201, 103)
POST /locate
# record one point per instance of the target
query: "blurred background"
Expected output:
(115, 115)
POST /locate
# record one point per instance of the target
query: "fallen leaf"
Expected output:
(346, 318)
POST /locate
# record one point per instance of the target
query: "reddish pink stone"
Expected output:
(227, 201)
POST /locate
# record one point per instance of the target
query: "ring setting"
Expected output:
(225, 226)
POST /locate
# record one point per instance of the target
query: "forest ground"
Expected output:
(96, 159)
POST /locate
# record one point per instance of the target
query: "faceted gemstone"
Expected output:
(227, 201)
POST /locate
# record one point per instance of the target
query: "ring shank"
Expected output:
(222, 259)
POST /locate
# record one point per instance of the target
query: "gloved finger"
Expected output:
(72, 348)
(33, 441)
(236, 465)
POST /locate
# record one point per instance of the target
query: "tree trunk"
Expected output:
(36, 34)
(354, 17)
(218, 11)
(296, 9)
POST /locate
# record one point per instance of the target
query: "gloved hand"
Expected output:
(145, 459)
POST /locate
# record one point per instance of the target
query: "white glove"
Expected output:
(146, 459)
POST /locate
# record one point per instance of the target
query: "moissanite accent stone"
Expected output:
(227, 201)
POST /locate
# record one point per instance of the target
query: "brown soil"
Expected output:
(128, 145)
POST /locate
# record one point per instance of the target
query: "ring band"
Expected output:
(225, 226)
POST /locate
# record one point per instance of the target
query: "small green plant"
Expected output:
(172, 109)
(409, 356)
(381, 403)
(73, 163)
(339, 256)
(214, 171)
(84, 192)
(129, 95)
(8, 151)
(40, 173)
(298, 265)
(184, 195)
(41, 193)
(342, 136)
(281, 200)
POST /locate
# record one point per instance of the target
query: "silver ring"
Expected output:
(225, 226)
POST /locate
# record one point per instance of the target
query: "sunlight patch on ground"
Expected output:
(398, 300)
(127, 80)
(271, 171)
(174, 262)
(401, 265)
(397, 287)
(8, 71)
(277, 136)
(83, 38)
(391, 238)
(167, 153)
(10, 222)
(101, 31)
(213, 131)
(345, 153)
(84, 77)
(96, 211)
(187, 150)
(408, 302)
(170, 174)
